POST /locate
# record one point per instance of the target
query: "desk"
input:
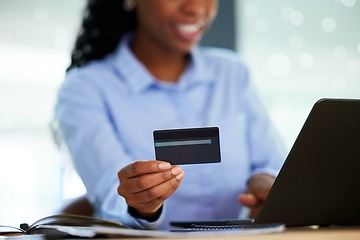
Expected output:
(343, 233)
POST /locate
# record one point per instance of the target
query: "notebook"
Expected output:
(319, 181)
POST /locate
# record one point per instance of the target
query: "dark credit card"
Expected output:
(188, 145)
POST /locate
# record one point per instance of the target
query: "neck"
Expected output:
(163, 64)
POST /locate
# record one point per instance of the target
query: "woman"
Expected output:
(136, 67)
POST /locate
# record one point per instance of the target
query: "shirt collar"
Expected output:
(139, 78)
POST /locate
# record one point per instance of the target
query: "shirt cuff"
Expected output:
(141, 223)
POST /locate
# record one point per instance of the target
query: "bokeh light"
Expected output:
(285, 13)
(328, 24)
(306, 60)
(310, 50)
(296, 18)
(348, 3)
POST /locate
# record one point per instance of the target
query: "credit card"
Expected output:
(188, 145)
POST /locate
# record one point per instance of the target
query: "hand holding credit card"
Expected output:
(188, 145)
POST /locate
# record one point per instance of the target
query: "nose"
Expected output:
(195, 7)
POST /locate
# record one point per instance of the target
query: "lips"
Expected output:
(190, 31)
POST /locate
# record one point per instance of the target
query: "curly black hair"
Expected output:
(104, 23)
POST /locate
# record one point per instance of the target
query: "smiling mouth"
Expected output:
(190, 28)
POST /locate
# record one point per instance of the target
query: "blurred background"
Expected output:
(297, 51)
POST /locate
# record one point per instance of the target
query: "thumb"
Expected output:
(248, 200)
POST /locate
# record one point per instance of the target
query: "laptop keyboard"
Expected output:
(252, 226)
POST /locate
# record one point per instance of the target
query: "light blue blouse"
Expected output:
(108, 109)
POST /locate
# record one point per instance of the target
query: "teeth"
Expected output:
(191, 27)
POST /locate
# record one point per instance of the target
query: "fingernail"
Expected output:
(180, 176)
(164, 166)
(176, 171)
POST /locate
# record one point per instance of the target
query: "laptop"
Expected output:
(319, 182)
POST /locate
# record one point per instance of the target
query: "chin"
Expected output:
(186, 48)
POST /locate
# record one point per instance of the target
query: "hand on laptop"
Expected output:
(145, 185)
(258, 189)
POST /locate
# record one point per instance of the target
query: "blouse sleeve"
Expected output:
(87, 129)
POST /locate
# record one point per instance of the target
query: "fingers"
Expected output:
(145, 185)
(148, 181)
(149, 209)
(151, 199)
(248, 200)
(143, 167)
(260, 185)
(258, 189)
(158, 192)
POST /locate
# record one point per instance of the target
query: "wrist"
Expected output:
(150, 217)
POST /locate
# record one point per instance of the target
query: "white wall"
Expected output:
(36, 37)
(298, 52)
